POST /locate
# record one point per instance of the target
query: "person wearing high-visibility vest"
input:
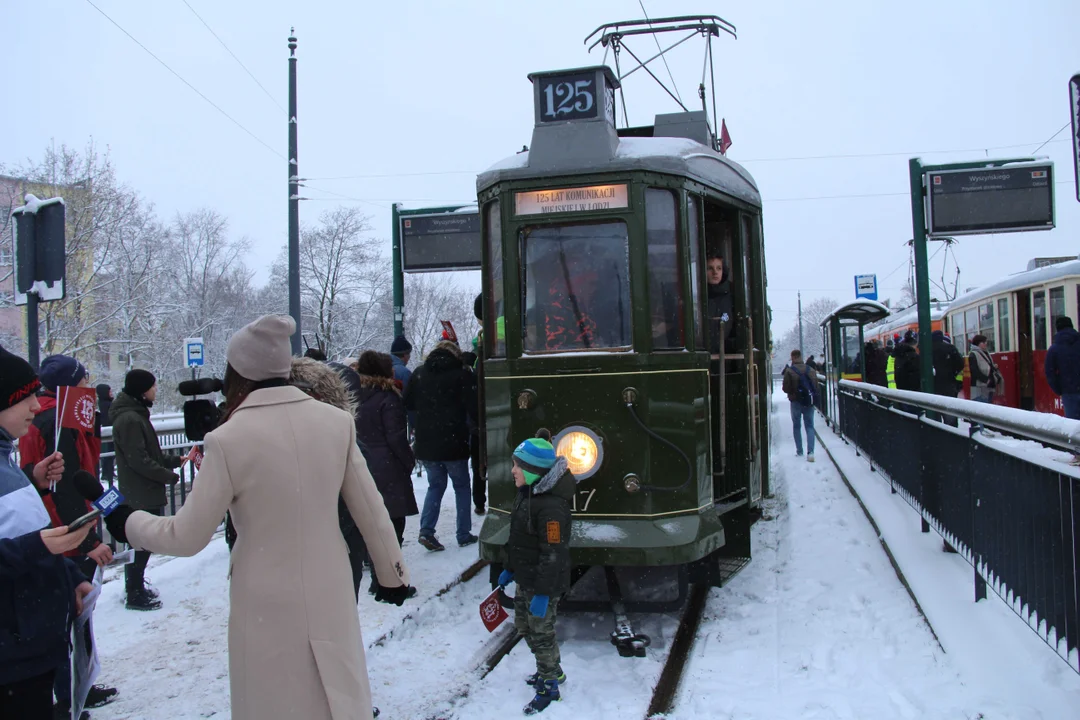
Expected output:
(902, 371)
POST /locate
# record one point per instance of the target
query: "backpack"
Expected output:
(805, 393)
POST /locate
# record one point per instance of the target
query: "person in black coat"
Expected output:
(442, 393)
(720, 306)
(1062, 366)
(105, 400)
(906, 363)
(383, 436)
(876, 362)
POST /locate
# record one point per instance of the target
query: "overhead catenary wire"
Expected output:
(179, 77)
(1052, 137)
(662, 55)
(234, 57)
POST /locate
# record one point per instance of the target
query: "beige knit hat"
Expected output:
(261, 350)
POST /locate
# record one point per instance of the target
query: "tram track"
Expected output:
(661, 700)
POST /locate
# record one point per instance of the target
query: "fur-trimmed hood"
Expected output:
(373, 382)
(324, 382)
(552, 476)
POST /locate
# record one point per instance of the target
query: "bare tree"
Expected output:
(428, 300)
(343, 283)
(813, 313)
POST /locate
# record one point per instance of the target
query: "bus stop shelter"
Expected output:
(842, 332)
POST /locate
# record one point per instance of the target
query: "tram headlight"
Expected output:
(583, 450)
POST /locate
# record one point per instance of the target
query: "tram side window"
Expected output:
(1038, 316)
(959, 334)
(576, 281)
(665, 281)
(694, 241)
(1003, 325)
(1057, 307)
(495, 329)
(971, 323)
(986, 324)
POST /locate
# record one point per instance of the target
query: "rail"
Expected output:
(1002, 500)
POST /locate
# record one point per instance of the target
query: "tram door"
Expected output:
(1024, 362)
(731, 367)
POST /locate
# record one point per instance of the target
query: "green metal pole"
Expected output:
(922, 276)
(399, 276)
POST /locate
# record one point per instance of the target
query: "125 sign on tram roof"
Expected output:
(574, 96)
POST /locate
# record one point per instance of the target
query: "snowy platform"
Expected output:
(817, 626)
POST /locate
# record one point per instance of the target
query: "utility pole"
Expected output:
(801, 341)
(294, 201)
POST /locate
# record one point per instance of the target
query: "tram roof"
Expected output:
(668, 155)
(862, 311)
(1019, 281)
(911, 315)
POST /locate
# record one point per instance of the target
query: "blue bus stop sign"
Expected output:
(193, 352)
(866, 286)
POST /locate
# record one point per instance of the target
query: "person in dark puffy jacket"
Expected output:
(442, 393)
(538, 557)
(383, 436)
(906, 361)
(1063, 366)
(876, 361)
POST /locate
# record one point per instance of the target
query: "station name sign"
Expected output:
(444, 241)
(570, 200)
(1011, 198)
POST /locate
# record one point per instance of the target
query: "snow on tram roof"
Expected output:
(907, 317)
(1019, 281)
(671, 155)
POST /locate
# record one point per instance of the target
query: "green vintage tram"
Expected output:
(597, 326)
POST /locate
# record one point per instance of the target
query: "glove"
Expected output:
(505, 578)
(394, 595)
(116, 520)
(538, 606)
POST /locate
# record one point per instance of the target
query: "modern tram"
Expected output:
(596, 327)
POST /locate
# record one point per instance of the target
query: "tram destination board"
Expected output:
(444, 241)
(1011, 198)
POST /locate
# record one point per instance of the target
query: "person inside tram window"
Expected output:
(720, 307)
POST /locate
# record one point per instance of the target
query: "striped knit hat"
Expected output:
(535, 457)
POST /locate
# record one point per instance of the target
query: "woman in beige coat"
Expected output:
(278, 463)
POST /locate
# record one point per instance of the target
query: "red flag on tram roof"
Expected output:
(725, 138)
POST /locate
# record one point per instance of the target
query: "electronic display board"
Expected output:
(1011, 198)
(444, 241)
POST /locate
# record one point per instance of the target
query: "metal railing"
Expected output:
(1011, 513)
(174, 441)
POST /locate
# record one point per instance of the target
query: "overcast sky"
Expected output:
(419, 96)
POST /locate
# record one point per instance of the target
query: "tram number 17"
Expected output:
(565, 98)
(583, 505)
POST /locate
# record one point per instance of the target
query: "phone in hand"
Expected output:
(87, 518)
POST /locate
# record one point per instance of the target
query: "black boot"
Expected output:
(141, 600)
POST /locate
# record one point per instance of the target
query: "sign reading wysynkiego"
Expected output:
(444, 241)
(569, 200)
(1009, 198)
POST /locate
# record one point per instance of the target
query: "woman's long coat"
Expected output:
(278, 465)
(381, 430)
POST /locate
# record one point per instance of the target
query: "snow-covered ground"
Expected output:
(817, 626)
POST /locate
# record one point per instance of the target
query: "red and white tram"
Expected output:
(1017, 316)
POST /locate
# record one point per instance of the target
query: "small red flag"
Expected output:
(725, 138)
(78, 407)
(492, 611)
(448, 331)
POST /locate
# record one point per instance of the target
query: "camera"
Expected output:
(200, 416)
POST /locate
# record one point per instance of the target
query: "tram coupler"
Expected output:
(623, 637)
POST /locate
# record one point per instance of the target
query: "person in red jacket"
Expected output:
(81, 451)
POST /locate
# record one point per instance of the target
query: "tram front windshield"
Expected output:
(577, 287)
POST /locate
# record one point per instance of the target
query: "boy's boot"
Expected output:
(546, 693)
(535, 678)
